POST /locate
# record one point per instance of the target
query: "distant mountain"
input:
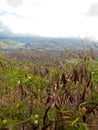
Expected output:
(11, 41)
(44, 43)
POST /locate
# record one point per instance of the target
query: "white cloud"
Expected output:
(15, 3)
(50, 17)
(93, 11)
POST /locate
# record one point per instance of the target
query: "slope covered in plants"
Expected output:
(54, 95)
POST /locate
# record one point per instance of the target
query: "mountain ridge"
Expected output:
(45, 43)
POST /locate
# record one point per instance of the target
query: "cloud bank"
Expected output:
(93, 10)
(5, 30)
(56, 18)
(15, 3)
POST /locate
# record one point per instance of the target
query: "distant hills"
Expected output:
(19, 42)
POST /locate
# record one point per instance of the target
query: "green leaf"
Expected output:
(52, 114)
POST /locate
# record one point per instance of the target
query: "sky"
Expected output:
(50, 18)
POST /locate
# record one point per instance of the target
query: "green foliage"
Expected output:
(59, 95)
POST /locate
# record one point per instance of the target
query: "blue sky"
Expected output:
(55, 18)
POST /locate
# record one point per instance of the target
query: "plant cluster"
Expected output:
(59, 95)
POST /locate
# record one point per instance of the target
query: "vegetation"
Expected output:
(22, 42)
(57, 95)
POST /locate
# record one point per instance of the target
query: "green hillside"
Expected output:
(56, 95)
(2, 44)
(9, 42)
